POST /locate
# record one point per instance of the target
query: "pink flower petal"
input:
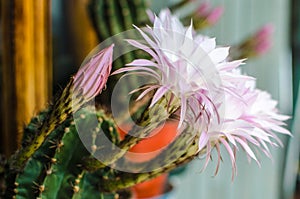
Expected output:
(158, 95)
(92, 77)
(203, 140)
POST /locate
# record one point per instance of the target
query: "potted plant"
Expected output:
(198, 100)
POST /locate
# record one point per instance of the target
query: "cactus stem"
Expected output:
(57, 115)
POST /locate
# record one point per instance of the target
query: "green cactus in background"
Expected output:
(111, 17)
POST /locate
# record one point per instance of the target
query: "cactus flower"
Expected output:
(255, 45)
(221, 104)
(91, 78)
(205, 15)
(203, 9)
(215, 15)
(184, 65)
(248, 121)
(262, 37)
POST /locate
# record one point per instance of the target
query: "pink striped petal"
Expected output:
(158, 95)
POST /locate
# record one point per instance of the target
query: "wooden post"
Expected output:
(26, 65)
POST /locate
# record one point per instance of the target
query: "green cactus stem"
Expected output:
(68, 160)
(55, 169)
(23, 182)
(178, 153)
(65, 166)
(150, 120)
(58, 113)
(97, 14)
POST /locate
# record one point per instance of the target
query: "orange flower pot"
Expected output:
(147, 149)
(151, 146)
(150, 188)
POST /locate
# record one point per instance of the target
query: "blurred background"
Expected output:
(43, 43)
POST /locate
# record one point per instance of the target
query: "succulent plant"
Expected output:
(64, 151)
(53, 162)
(62, 167)
(56, 169)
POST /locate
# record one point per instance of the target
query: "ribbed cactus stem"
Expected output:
(64, 165)
(26, 184)
(140, 6)
(177, 154)
(115, 24)
(113, 27)
(89, 81)
(149, 121)
(111, 17)
(68, 179)
(97, 12)
(126, 180)
(58, 113)
(127, 17)
(116, 27)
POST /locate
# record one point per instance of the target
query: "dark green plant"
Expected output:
(111, 17)
(53, 162)
(62, 167)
